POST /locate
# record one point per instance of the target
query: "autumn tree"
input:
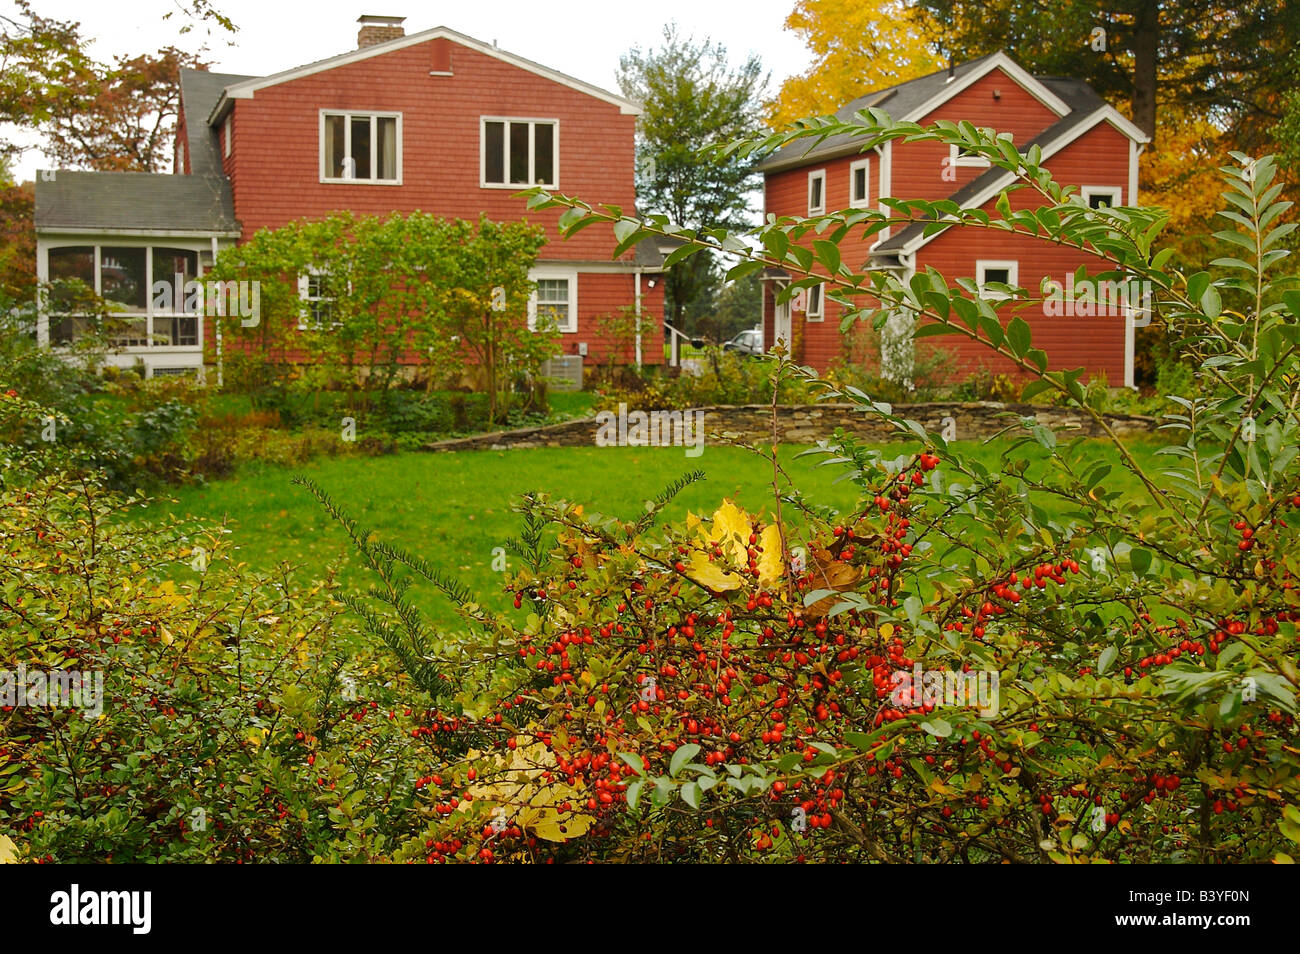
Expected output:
(42, 62)
(858, 46)
(123, 119)
(17, 238)
(690, 95)
(91, 112)
(1227, 61)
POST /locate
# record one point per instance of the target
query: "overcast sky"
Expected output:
(578, 37)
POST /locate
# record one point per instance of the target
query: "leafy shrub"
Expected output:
(741, 689)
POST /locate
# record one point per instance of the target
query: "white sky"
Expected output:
(578, 37)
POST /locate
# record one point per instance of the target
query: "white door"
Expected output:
(781, 323)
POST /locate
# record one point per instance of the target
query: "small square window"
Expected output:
(1101, 197)
(961, 156)
(988, 271)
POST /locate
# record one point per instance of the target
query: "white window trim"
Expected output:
(865, 166)
(956, 160)
(820, 313)
(1013, 276)
(816, 174)
(374, 145)
(228, 127)
(532, 159)
(304, 307)
(553, 273)
(1116, 194)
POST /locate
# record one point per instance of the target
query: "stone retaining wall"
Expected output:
(807, 424)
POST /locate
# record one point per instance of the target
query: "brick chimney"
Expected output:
(379, 30)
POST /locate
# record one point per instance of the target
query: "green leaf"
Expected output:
(634, 760)
(1140, 560)
(1211, 303)
(1019, 335)
(1105, 659)
(683, 755)
(691, 794)
(938, 727)
(828, 253)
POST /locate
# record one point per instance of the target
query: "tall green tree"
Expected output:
(691, 96)
(1229, 61)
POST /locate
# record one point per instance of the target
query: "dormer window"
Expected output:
(361, 147)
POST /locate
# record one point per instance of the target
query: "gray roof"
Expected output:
(1083, 102)
(898, 101)
(648, 254)
(200, 91)
(107, 201)
(131, 201)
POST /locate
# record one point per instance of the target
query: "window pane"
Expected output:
(361, 147)
(176, 266)
(494, 152)
(334, 150)
(1100, 200)
(553, 301)
(519, 153)
(544, 153)
(387, 147)
(122, 276)
(70, 264)
(1000, 275)
(859, 184)
(815, 194)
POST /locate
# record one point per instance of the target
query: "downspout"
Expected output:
(638, 317)
(217, 326)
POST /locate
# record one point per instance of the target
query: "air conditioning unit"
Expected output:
(563, 372)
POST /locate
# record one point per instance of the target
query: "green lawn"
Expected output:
(453, 509)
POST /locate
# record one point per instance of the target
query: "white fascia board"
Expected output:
(1104, 114)
(999, 60)
(246, 89)
(90, 234)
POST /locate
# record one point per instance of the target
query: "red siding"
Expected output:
(274, 165)
(1099, 157)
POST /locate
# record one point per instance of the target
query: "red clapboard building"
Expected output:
(1085, 143)
(436, 122)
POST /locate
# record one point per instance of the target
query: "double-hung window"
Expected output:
(316, 301)
(555, 300)
(361, 147)
(519, 152)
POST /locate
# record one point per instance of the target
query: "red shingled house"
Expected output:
(1085, 142)
(436, 121)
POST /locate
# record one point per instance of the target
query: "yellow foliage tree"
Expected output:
(859, 46)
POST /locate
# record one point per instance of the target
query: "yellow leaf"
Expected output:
(8, 851)
(770, 564)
